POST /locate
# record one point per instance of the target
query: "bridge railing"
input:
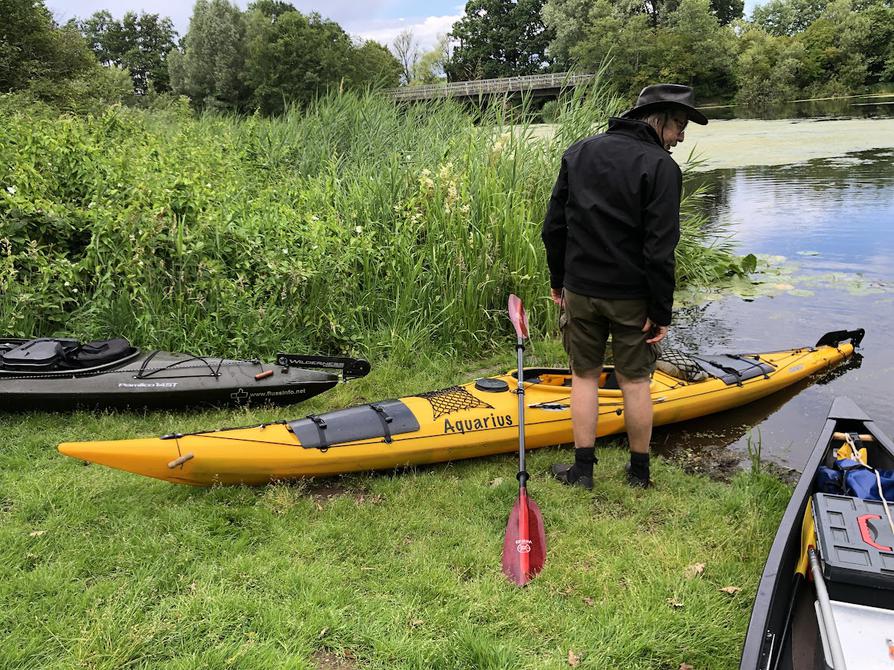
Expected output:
(479, 87)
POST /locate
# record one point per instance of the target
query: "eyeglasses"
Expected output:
(681, 125)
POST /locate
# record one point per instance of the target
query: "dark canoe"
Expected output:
(60, 376)
(783, 632)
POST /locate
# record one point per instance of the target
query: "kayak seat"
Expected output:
(611, 382)
(50, 354)
(99, 352)
(37, 355)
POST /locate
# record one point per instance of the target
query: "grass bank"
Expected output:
(102, 569)
(355, 226)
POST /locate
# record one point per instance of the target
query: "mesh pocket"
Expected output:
(452, 399)
(677, 364)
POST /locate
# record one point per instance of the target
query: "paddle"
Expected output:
(524, 549)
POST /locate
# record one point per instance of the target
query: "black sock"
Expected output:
(639, 465)
(584, 458)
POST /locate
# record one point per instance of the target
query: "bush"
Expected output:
(550, 111)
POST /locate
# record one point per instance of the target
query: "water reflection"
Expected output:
(858, 106)
(833, 220)
(829, 214)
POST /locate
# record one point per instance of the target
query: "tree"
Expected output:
(567, 33)
(147, 57)
(606, 30)
(373, 65)
(103, 35)
(868, 35)
(727, 11)
(140, 44)
(33, 48)
(430, 68)
(499, 38)
(694, 48)
(292, 57)
(210, 68)
(769, 69)
(407, 51)
(689, 44)
(787, 17)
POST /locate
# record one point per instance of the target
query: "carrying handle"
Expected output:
(867, 534)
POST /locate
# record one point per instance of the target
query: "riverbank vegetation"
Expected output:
(355, 225)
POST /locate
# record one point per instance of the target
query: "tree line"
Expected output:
(263, 58)
(271, 55)
(786, 50)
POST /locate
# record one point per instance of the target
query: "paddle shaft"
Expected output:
(522, 475)
(825, 606)
(524, 559)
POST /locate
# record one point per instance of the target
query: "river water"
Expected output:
(821, 218)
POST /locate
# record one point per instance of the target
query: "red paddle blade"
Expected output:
(524, 549)
(517, 316)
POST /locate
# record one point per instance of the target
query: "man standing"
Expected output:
(611, 228)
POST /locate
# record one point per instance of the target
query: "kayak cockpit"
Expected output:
(55, 356)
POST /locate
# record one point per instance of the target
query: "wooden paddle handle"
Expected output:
(180, 461)
(863, 438)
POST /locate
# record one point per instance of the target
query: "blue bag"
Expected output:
(852, 478)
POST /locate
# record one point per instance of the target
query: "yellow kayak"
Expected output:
(479, 418)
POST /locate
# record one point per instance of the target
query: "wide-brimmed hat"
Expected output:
(668, 95)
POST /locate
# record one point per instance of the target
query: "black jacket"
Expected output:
(613, 220)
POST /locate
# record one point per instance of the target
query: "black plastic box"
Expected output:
(856, 546)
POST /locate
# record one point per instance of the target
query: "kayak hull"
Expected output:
(164, 380)
(457, 423)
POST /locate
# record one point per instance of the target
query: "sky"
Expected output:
(379, 20)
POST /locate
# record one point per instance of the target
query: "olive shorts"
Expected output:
(587, 324)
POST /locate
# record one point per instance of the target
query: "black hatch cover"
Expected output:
(381, 419)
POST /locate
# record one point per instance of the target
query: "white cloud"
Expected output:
(426, 30)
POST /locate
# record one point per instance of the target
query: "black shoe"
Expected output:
(568, 475)
(637, 482)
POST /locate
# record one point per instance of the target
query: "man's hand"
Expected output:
(656, 333)
(556, 295)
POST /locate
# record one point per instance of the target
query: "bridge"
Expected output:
(539, 85)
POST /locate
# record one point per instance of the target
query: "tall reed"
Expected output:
(355, 225)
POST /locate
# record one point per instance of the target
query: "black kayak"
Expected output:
(62, 374)
(828, 601)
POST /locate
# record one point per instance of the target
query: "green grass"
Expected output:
(357, 225)
(103, 569)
